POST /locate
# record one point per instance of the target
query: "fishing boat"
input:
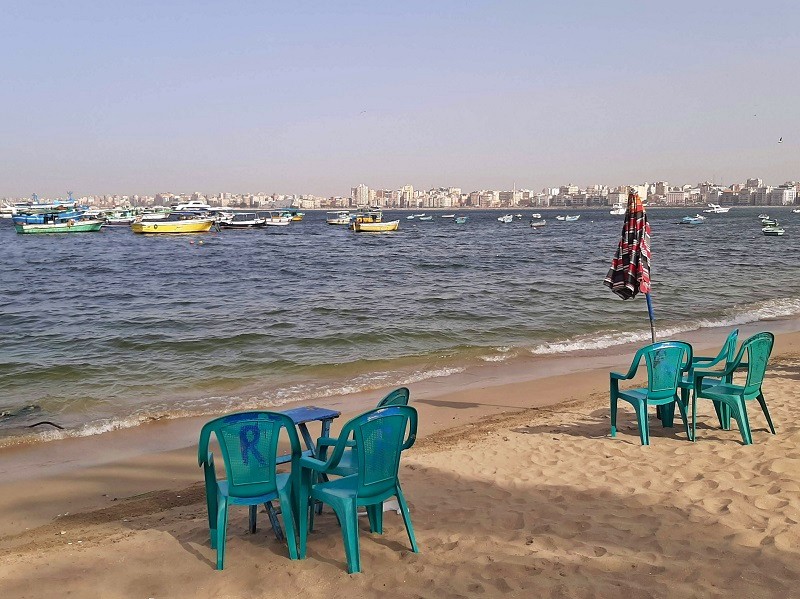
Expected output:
(691, 220)
(38, 218)
(538, 222)
(242, 220)
(176, 222)
(338, 217)
(275, 219)
(506, 218)
(119, 218)
(536, 215)
(769, 222)
(618, 208)
(418, 215)
(410, 217)
(559, 217)
(773, 231)
(374, 227)
(368, 216)
(716, 209)
(573, 218)
(68, 225)
(460, 220)
(426, 218)
(448, 215)
(293, 213)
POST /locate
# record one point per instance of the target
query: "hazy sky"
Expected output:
(316, 97)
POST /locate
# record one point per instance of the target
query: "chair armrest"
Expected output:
(330, 442)
(209, 461)
(313, 464)
(618, 377)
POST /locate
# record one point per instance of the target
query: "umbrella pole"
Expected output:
(652, 318)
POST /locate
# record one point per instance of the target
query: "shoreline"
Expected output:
(168, 445)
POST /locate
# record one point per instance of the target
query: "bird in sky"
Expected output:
(780, 141)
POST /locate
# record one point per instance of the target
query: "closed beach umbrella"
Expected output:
(630, 269)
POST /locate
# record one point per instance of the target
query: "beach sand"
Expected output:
(506, 500)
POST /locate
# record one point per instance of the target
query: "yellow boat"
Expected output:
(375, 227)
(181, 224)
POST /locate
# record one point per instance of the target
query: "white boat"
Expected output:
(338, 217)
(538, 223)
(773, 231)
(716, 209)
(453, 215)
(507, 218)
(573, 218)
(418, 215)
(517, 216)
(410, 217)
(692, 220)
(426, 218)
(762, 215)
(536, 215)
(192, 205)
(559, 217)
(242, 220)
(796, 210)
(618, 208)
(275, 219)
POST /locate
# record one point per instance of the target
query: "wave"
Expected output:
(738, 315)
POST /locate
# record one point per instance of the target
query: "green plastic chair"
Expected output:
(380, 436)
(724, 391)
(665, 363)
(347, 465)
(249, 444)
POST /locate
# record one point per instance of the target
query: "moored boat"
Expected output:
(716, 209)
(426, 218)
(338, 217)
(275, 219)
(241, 220)
(448, 215)
(773, 231)
(540, 222)
(572, 218)
(618, 208)
(460, 220)
(61, 226)
(506, 218)
(692, 220)
(375, 227)
(176, 222)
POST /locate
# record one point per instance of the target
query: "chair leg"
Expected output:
(682, 408)
(222, 526)
(763, 403)
(401, 500)
(641, 417)
(288, 522)
(739, 413)
(273, 520)
(253, 509)
(723, 411)
(348, 518)
(375, 515)
(667, 414)
(613, 415)
(302, 512)
(211, 505)
(694, 416)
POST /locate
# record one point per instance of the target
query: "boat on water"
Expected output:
(773, 231)
(460, 220)
(618, 208)
(762, 215)
(293, 213)
(540, 222)
(692, 220)
(769, 222)
(338, 217)
(67, 225)
(517, 216)
(572, 219)
(506, 218)
(716, 209)
(536, 215)
(198, 205)
(796, 210)
(242, 220)
(118, 218)
(176, 222)
(38, 218)
(410, 217)
(275, 218)
(366, 226)
(418, 215)
(448, 215)
(559, 217)
(426, 218)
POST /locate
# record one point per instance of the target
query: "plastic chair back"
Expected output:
(249, 445)
(757, 348)
(398, 397)
(665, 363)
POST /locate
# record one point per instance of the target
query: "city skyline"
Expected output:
(311, 98)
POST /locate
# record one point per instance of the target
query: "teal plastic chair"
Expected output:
(665, 361)
(249, 444)
(380, 436)
(726, 355)
(723, 391)
(347, 465)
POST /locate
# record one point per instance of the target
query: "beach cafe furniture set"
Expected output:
(675, 377)
(359, 468)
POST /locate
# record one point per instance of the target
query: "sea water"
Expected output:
(106, 330)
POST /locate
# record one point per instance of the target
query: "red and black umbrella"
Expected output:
(630, 269)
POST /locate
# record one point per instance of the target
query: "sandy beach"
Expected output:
(515, 487)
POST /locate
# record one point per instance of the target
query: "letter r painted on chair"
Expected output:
(249, 435)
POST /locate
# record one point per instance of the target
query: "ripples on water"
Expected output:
(114, 328)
